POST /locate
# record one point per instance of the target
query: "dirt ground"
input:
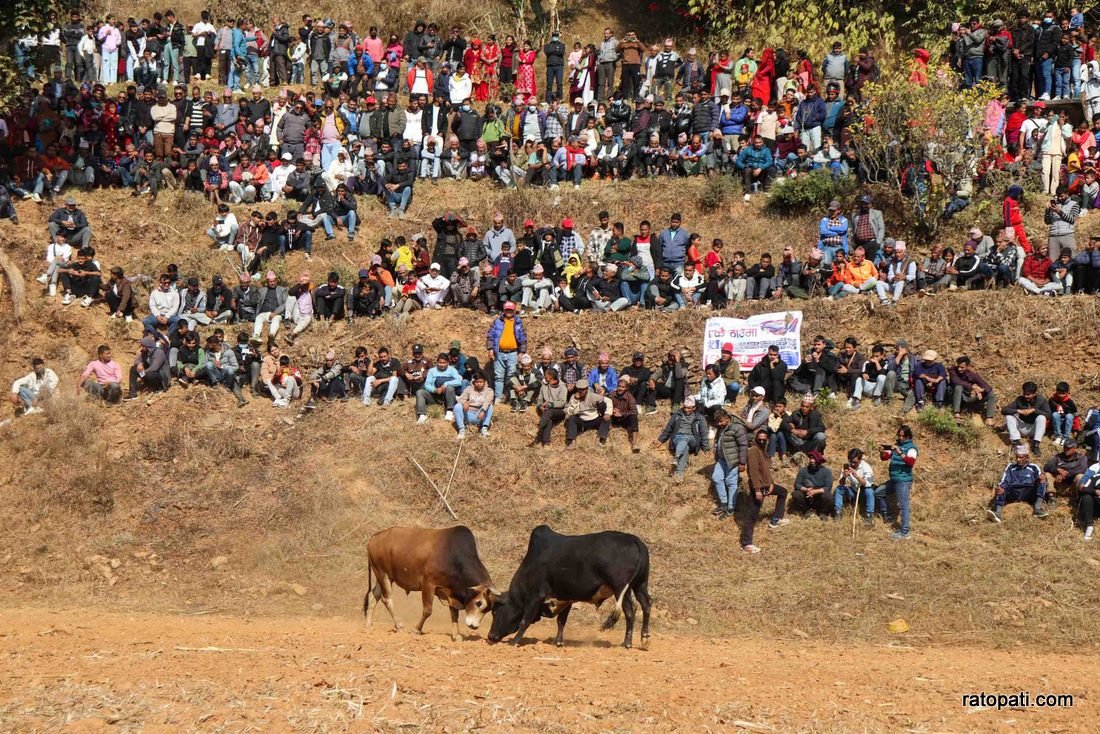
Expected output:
(90, 672)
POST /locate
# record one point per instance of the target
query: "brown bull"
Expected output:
(437, 563)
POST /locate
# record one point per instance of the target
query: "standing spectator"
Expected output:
(554, 51)
(761, 486)
(902, 457)
(607, 59)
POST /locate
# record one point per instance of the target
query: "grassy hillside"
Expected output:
(161, 488)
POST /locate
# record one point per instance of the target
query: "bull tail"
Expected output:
(617, 610)
(370, 588)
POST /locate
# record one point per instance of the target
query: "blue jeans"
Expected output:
(391, 390)
(682, 446)
(350, 219)
(725, 484)
(462, 417)
(399, 201)
(900, 489)
(150, 323)
(972, 72)
(1075, 78)
(1043, 77)
(328, 153)
(27, 397)
(1062, 424)
(1061, 83)
(504, 366)
(633, 291)
(843, 493)
(733, 389)
(777, 442)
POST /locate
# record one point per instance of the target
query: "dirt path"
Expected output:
(113, 672)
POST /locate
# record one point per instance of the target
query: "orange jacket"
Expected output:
(857, 275)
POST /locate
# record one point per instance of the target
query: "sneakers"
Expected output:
(311, 404)
(280, 403)
(129, 398)
(35, 409)
(678, 477)
(718, 511)
(53, 290)
(779, 523)
(1035, 450)
(421, 419)
(1088, 533)
(750, 549)
(899, 535)
(995, 514)
(1039, 511)
(461, 434)
(86, 301)
(746, 198)
(43, 279)
(449, 415)
(67, 299)
(484, 432)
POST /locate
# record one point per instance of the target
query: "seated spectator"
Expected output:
(552, 401)
(756, 165)
(432, 288)
(106, 374)
(603, 378)
(1086, 267)
(150, 368)
(813, 488)
(1064, 469)
(190, 360)
(358, 371)
(475, 406)
(524, 385)
(586, 411)
(670, 381)
(857, 479)
(761, 279)
(119, 295)
(968, 386)
(929, 378)
(164, 307)
(804, 430)
(777, 437)
(81, 278)
(859, 276)
(286, 384)
(71, 223)
(970, 270)
(329, 299)
(818, 369)
(441, 385)
(768, 374)
(58, 255)
(1063, 413)
(385, 376)
(849, 371)
(1022, 481)
(624, 412)
(899, 276)
(686, 433)
(1035, 274)
(327, 381)
(34, 388)
(1028, 415)
(221, 367)
(1088, 499)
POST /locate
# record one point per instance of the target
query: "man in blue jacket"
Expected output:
(809, 118)
(505, 341)
(756, 166)
(440, 385)
(672, 244)
(1022, 481)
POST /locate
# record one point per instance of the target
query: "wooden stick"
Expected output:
(435, 487)
(454, 468)
(855, 509)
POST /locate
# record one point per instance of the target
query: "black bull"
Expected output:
(561, 570)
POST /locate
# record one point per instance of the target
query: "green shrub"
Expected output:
(941, 422)
(811, 192)
(715, 193)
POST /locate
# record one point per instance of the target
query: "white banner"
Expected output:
(751, 337)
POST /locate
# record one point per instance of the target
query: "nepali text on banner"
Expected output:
(751, 337)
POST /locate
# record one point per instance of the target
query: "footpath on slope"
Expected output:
(78, 671)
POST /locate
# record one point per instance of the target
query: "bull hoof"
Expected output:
(559, 643)
(456, 638)
(398, 627)
(627, 645)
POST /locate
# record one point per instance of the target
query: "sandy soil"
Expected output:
(89, 672)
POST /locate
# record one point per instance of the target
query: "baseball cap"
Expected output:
(509, 306)
(639, 355)
(570, 352)
(376, 260)
(526, 359)
(418, 348)
(528, 223)
(456, 344)
(567, 223)
(364, 273)
(217, 280)
(287, 157)
(758, 390)
(433, 266)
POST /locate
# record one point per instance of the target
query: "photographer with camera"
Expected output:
(902, 455)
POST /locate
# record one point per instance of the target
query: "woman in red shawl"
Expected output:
(525, 75)
(764, 79)
(1013, 217)
(472, 61)
(490, 71)
(108, 123)
(721, 73)
(919, 68)
(804, 72)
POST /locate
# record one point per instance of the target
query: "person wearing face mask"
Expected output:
(761, 486)
(1047, 37)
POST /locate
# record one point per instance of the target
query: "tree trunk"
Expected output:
(15, 284)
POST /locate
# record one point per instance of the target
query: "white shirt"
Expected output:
(278, 179)
(432, 288)
(200, 28)
(863, 474)
(35, 385)
(413, 130)
(461, 89)
(223, 228)
(61, 252)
